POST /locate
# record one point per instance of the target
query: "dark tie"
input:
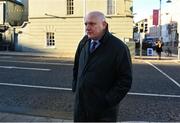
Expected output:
(93, 46)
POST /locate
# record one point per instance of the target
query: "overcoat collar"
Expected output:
(105, 36)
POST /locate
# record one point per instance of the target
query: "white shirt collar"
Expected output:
(97, 41)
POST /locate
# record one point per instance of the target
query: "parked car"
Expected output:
(149, 43)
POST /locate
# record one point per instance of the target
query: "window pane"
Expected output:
(110, 7)
(70, 7)
(50, 39)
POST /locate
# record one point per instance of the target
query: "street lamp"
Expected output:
(168, 1)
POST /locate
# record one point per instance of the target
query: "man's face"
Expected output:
(94, 27)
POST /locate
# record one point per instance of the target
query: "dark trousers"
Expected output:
(159, 55)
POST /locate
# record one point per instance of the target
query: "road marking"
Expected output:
(69, 89)
(35, 86)
(145, 122)
(154, 95)
(29, 62)
(174, 81)
(24, 68)
(6, 57)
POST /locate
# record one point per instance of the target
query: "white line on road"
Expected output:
(35, 86)
(24, 68)
(6, 57)
(69, 89)
(154, 95)
(174, 81)
(29, 62)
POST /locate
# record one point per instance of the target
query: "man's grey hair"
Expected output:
(97, 14)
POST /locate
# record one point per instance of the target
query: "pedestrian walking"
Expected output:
(102, 73)
(159, 46)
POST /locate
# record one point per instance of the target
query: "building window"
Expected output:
(50, 39)
(110, 7)
(70, 7)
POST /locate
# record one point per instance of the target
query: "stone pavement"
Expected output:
(154, 58)
(13, 53)
(8, 117)
(12, 117)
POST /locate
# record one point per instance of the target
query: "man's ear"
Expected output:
(105, 24)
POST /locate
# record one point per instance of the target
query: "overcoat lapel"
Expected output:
(85, 54)
(90, 56)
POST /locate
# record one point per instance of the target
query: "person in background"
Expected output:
(159, 46)
(102, 73)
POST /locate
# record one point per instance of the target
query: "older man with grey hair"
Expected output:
(102, 73)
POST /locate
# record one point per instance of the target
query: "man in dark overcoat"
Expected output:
(102, 73)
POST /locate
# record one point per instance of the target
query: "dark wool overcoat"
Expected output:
(100, 79)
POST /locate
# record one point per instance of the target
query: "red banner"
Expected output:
(155, 17)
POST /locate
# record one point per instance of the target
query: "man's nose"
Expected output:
(88, 27)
